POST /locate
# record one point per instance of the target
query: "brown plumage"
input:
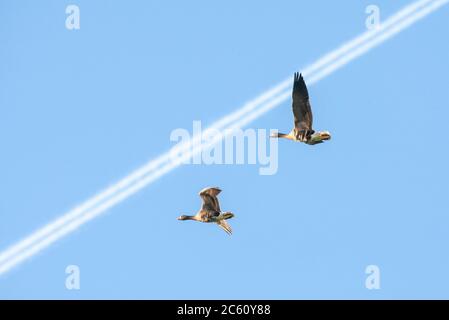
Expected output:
(303, 118)
(210, 210)
(302, 111)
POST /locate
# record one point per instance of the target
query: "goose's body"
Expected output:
(302, 113)
(210, 210)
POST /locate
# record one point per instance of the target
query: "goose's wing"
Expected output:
(210, 200)
(302, 111)
(225, 226)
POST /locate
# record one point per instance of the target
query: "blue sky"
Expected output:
(81, 109)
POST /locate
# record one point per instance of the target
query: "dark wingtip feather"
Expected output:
(298, 77)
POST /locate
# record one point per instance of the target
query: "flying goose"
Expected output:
(210, 210)
(302, 112)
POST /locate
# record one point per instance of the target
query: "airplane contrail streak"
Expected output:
(154, 169)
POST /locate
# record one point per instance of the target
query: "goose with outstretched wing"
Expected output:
(303, 118)
(210, 210)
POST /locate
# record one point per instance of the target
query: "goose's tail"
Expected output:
(226, 216)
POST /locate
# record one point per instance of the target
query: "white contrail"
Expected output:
(248, 107)
(154, 169)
